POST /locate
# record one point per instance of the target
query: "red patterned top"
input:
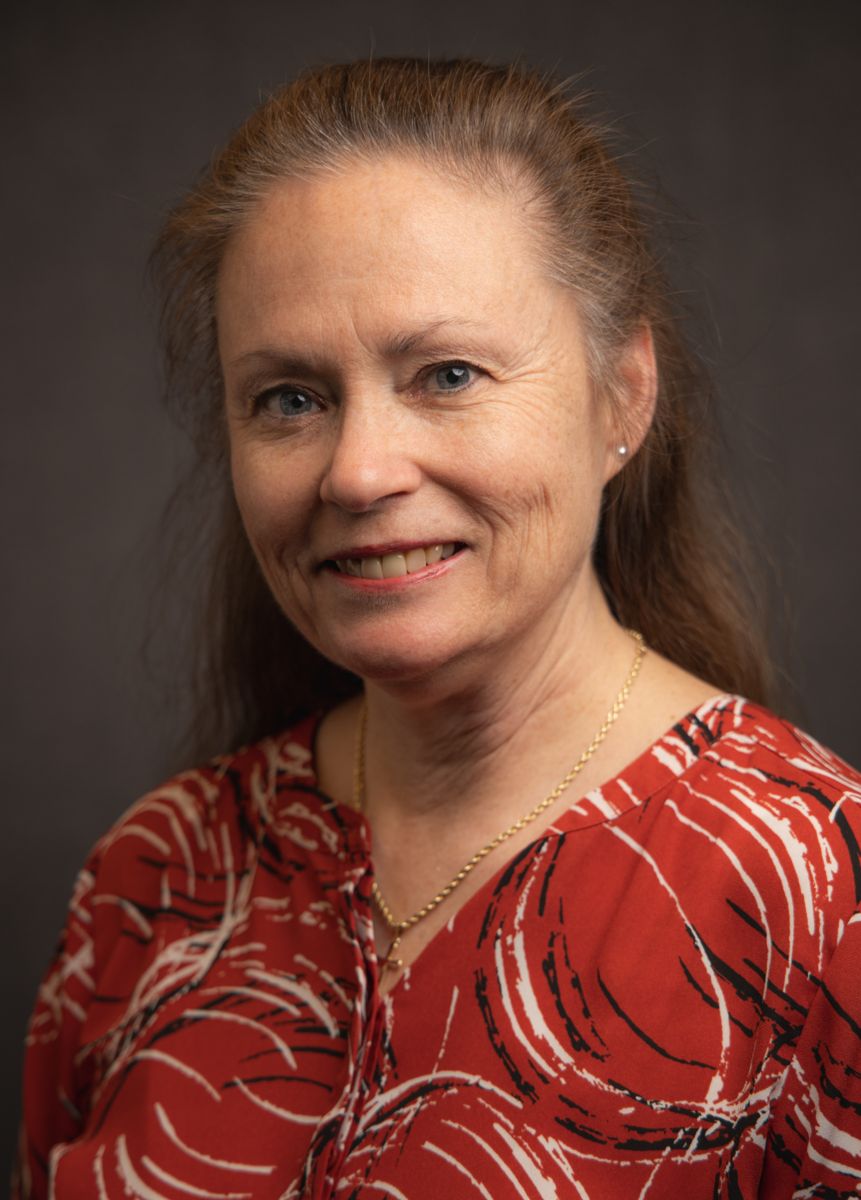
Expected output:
(659, 997)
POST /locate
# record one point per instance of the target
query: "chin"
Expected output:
(394, 661)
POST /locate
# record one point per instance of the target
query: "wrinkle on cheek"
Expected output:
(267, 506)
(528, 521)
(287, 585)
(541, 522)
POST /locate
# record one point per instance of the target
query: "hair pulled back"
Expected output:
(667, 555)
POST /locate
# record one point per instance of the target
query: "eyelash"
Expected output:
(437, 367)
(260, 400)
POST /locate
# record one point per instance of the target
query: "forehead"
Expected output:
(373, 236)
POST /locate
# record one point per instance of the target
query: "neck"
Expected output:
(476, 739)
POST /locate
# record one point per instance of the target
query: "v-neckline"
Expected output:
(661, 763)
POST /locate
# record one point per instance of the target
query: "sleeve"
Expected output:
(814, 1142)
(55, 1080)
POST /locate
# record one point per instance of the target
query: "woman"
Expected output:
(508, 892)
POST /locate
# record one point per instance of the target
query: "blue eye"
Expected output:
(452, 377)
(287, 402)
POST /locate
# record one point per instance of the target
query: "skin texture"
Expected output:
(343, 304)
(513, 465)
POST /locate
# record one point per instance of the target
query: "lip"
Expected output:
(398, 583)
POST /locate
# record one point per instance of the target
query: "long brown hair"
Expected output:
(668, 555)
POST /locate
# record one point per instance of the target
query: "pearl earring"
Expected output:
(622, 450)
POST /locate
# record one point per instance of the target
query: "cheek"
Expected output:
(564, 512)
(542, 478)
(251, 492)
(268, 499)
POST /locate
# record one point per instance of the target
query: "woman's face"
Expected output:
(400, 377)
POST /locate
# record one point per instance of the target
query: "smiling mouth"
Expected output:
(397, 564)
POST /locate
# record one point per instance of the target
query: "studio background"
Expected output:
(747, 112)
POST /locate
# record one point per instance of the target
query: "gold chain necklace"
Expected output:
(396, 928)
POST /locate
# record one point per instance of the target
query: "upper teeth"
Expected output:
(390, 566)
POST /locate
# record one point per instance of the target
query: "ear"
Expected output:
(633, 399)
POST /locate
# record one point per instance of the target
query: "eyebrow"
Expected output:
(396, 345)
(405, 341)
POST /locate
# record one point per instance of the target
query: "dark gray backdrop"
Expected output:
(749, 114)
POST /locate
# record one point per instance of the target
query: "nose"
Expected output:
(374, 457)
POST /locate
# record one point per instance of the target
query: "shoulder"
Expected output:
(772, 804)
(736, 802)
(758, 752)
(199, 823)
(734, 752)
(160, 896)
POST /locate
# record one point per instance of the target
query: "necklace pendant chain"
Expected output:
(390, 963)
(397, 929)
